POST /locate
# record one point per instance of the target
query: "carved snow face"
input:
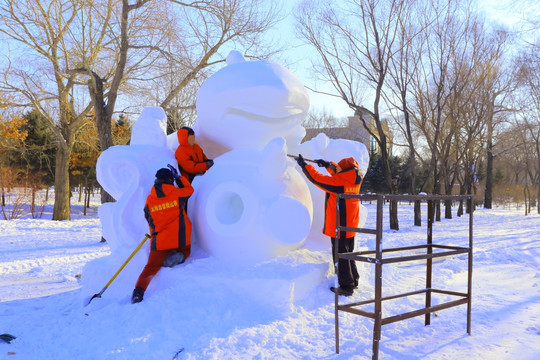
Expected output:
(248, 103)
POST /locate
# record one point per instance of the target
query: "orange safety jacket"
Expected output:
(191, 158)
(347, 181)
(167, 218)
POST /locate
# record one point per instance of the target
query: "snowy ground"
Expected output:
(197, 306)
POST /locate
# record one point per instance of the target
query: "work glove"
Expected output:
(209, 163)
(323, 163)
(300, 160)
(174, 172)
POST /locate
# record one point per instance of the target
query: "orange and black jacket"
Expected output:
(166, 214)
(191, 159)
(347, 181)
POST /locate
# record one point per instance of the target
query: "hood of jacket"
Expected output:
(348, 163)
(183, 137)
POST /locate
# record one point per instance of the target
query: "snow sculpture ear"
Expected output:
(234, 57)
(321, 142)
(273, 160)
(150, 128)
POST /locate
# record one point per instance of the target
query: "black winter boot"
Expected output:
(137, 295)
(345, 291)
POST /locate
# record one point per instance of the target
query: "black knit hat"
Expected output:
(189, 130)
(164, 174)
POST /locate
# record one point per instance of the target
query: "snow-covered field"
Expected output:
(197, 306)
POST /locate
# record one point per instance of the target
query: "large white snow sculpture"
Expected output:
(253, 205)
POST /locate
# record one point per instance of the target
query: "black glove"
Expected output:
(209, 163)
(174, 172)
(323, 163)
(300, 160)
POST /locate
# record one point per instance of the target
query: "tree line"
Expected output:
(460, 93)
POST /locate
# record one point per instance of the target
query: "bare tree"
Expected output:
(433, 86)
(105, 63)
(355, 44)
(497, 83)
(43, 42)
(529, 77)
(403, 67)
(206, 28)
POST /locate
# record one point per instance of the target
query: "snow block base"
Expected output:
(277, 283)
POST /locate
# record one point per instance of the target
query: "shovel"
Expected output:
(98, 295)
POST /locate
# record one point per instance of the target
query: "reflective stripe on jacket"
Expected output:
(347, 181)
(166, 215)
(191, 159)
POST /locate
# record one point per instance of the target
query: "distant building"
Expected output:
(354, 131)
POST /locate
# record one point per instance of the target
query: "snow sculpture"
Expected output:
(253, 205)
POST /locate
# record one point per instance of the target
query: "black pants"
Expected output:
(347, 272)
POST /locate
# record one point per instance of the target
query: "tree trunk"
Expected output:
(488, 192)
(412, 159)
(468, 187)
(103, 113)
(387, 173)
(448, 209)
(417, 213)
(33, 205)
(447, 203)
(86, 196)
(538, 198)
(394, 223)
(61, 209)
(460, 208)
(437, 203)
(525, 198)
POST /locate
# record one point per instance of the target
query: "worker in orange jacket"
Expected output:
(191, 158)
(165, 211)
(345, 177)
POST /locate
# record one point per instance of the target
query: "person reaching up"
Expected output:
(170, 227)
(345, 177)
(190, 156)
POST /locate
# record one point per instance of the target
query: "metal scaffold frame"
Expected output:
(377, 258)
